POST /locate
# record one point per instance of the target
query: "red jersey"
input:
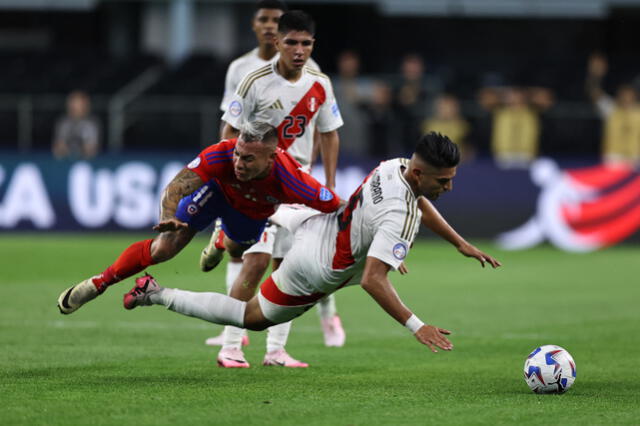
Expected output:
(257, 198)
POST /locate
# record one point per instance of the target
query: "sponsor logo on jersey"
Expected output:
(325, 195)
(400, 251)
(312, 104)
(194, 163)
(192, 209)
(235, 109)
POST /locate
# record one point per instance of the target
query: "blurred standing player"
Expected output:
(297, 99)
(359, 244)
(239, 180)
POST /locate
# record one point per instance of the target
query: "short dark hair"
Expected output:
(296, 20)
(271, 4)
(438, 150)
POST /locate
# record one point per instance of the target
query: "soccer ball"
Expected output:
(549, 369)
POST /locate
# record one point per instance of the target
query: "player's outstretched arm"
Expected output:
(377, 284)
(432, 219)
(329, 147)
(183, 184)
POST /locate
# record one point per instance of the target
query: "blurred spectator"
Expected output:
(383, 136)
(543, 101)
(412, 96)
(516, 131)
(448, 121)
(351, 92)
(621, 142)
(488, 100)
(76, 133)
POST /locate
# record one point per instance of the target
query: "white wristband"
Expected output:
(413, 323)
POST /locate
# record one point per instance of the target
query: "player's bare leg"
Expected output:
(132, 260)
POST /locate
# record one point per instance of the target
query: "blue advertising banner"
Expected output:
(578, 209)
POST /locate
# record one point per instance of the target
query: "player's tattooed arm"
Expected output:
(182, 185)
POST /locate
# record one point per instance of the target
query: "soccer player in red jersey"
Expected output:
(238, 180)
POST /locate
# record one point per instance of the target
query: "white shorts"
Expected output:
(279, 307)
(275, 240)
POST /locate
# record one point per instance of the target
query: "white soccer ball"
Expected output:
(549, 369)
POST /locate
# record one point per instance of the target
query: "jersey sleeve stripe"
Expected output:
(242, 91)
(251, 75)
(291, 184)
(219, 161)
(410, 218)
(220, 152)
(297, 182)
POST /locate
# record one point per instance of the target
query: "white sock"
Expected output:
(277, 336)
(327, 307)
(233, 270)
(213, 307)
(232, 335)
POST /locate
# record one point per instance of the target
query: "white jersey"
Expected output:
(380, 220)
(295, 109)
(242, 66)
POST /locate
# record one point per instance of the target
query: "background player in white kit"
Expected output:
(296, 99)
(360, 243)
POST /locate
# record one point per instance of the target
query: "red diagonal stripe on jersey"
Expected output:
(306, 107)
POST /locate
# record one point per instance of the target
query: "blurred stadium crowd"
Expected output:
(513, 89)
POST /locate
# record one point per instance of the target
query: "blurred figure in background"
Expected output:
(381, 120)
(352, 91)
(412, 96)
(77, 133)
(516, 131)
(447, 120)
(488, 101)
(621, 141)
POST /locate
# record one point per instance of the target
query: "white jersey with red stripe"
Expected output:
(242, 66)
(296, 109)
(380, 220)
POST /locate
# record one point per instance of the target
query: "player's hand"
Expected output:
(471, 251)
(403, 269)
(168, 225)
(433, 336)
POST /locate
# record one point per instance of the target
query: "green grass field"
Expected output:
(104, 365)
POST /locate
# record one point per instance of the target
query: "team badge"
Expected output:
(192, 209)
(194, 163)
(400, 251)
(325, 195)
(312, 104)
(235, 108)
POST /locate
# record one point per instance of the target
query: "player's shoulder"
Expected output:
(392, 181)
(251, 78)
(287, 161)
(315, 72)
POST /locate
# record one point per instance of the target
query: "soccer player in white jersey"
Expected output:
(296, 99)
(359, 243)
